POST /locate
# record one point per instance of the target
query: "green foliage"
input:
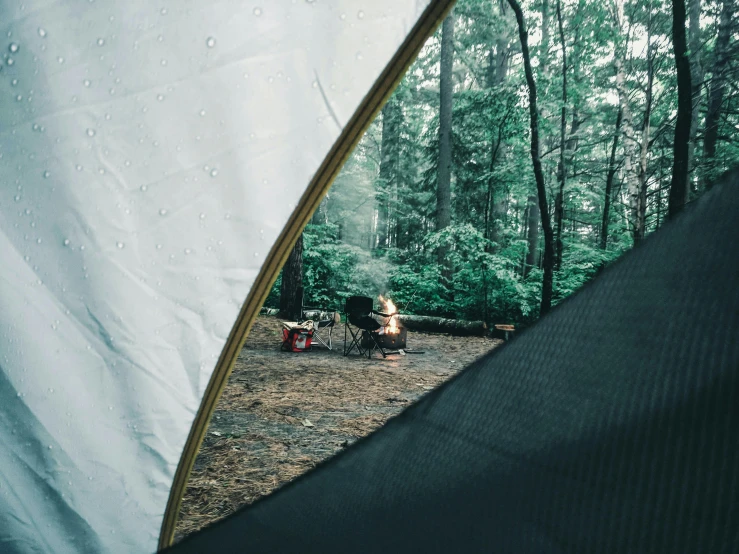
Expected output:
(376, 231)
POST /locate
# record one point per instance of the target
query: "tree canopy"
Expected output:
(606, 79)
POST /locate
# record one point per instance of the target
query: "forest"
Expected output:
(528, 146)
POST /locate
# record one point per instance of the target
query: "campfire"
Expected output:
(392, 335)
(389, 308)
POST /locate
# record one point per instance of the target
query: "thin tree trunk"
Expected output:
(291, 288)
(716, 95)
(696, 71)
(562, 169)
(644, 149)
(443, 189)
(679, 184)
(609, 185)
(389, 160)
(532, 234)
(546, 224)
(627, 127)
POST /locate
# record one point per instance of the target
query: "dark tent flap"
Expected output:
(610, 426)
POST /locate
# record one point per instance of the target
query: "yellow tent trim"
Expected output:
(327, 172)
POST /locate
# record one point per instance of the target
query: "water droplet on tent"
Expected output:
(87, 82)
(47, 174)
(256, 254)
(78, 167)
(89, 478)
(14, 82)
(42, 32)
(90, 132)
(159, 246)
(162, 212)
(82, 247)
(66, 242)
(359, 56)
(51, 447)
(342, 16)
(163, 11)
(101, 41)
(160, 38)
(60, 59)
(111, 91)
(120, 245)
(107, 117)
(51, 390)
(160, 97)
(144, 188)
(110, 408)
(210, 42)
(38, 240)
(101, 171)
(18, 98)
(202, 113)
(163, 62)
(257, 11)
(35, 127)
(315, 84)
(187, 251)
(213, 172)
(13, 47)
(360, 14)
(10, 61)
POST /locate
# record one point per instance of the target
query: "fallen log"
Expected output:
(269, 311)
(457, 327)
(320, 315)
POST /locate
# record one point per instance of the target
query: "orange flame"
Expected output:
(392, 326)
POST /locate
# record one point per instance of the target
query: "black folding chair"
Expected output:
(360, 323)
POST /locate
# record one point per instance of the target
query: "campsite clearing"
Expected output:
(283, 413)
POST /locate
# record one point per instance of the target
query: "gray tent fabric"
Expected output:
(610, 426)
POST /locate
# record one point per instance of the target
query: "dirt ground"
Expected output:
(282, 413)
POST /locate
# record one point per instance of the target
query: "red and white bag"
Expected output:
(297, 339)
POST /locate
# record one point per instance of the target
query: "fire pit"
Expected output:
(392, 336)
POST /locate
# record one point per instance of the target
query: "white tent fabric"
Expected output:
(150, 155)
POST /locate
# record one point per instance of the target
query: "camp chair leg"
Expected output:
(355, 342)
(319, 338)
(374, 344)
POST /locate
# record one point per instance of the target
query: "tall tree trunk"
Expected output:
(627, 127)
(716, 94)
(502, 52)
(696, 72)
(679, 184)
(291, 289)
(389, 160)
(646, 125)
(443, 188)
(609, 185)
(546, 224)
(532, 234)
(562, 168)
